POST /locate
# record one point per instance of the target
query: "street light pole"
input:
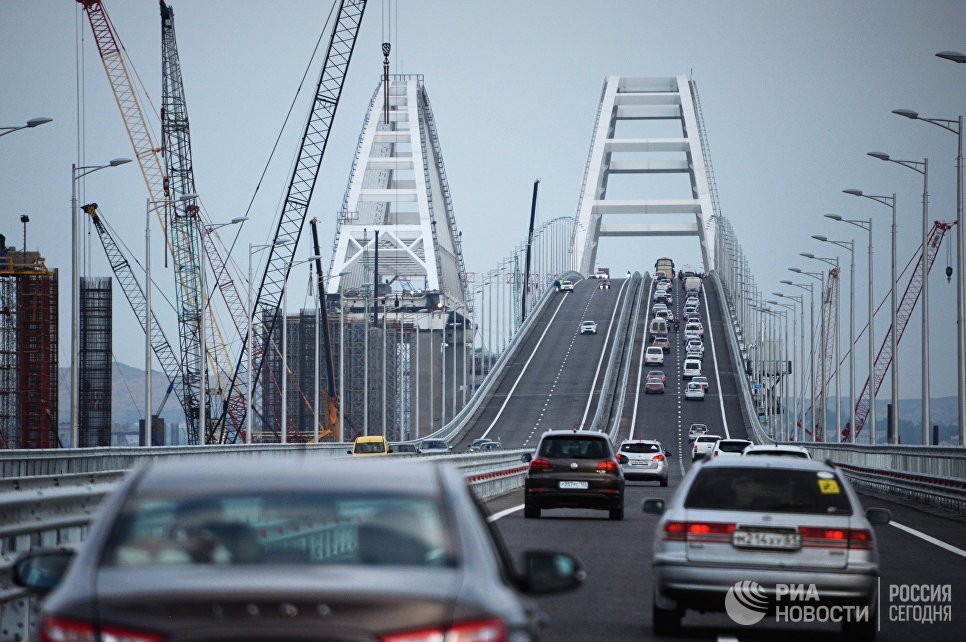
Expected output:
(922, 167)
(834, 262)
(956, 127)
(76, 173)
(811, 341)
(890, 201)
(820, 277)
(33, 122)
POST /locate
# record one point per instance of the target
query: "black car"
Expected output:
(292, 550)
(574, 469)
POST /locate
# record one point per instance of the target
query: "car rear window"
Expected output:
(574, 448)
(733, 446)
(704, 438)
(640, 448)
(779, 453)
(772, 490)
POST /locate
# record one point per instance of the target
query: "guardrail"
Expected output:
(56, 510)
(627, 348)
(929, 474)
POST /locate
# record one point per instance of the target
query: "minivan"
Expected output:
(654, 356)
(692, 367)
(658, 326)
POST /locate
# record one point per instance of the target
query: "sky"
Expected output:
(794, 94)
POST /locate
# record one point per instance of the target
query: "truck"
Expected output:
(664, 264)
(603, 273)
(692, 284)
(688, 270)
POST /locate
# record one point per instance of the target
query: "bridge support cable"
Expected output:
(923, 263)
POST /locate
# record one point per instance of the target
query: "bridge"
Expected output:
(537, 372)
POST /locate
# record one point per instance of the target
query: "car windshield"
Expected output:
(573, 448)
(778, 452)
(772, 490)
(369, 447)
(281, 528)
(434, 444)
(641, 448)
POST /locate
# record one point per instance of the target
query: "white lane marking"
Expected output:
(600, 362)
(503, 513)
(930, 539)
(640, 369)
(714, 357)
(523, 371)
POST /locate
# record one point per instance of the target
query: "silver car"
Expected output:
(743, 530)
(646, 459)
(433, 447)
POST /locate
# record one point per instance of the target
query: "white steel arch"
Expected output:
(635, 99)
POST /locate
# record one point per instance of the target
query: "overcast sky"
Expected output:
(794, 95)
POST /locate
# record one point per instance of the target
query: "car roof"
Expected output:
(370, 439)
(744, 441)
(572, 433)
(779, 447)
(640, 441)
(772, 462)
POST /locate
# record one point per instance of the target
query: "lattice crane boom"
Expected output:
(906, 305)
(299, 193)
(828, 336)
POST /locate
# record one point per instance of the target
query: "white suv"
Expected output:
(692, 368)
(654, 356)
(703, 446)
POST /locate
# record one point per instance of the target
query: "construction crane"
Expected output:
(906, 306)
(182, 239)
(170, 364)
(331, 398)
(295, 206)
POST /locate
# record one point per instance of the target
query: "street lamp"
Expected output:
(33, 122)
(850, 246)
(800, 396)
(922, 167)
(834, 262)
(954, 56)
(252, 249)
(956, 127)
(791, 309)
(811, 343)
(76, 173)
(890, 201)
(867, 226)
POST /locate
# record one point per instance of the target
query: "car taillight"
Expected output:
(658, 457)
(474, 631)
(715, 453)
(698, 531)
(61, 630)
(607, 466)
(819, 537)
(540, 464)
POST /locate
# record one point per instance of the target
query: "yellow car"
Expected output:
(369, 446)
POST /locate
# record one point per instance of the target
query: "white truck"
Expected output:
(692, 284)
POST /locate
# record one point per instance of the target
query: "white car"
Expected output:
(691, 354)
(588, 327)
(702, 380)
(694, 391)
(724, 448)
(696, 345)
(566, 286)
(703, 446)
(692, 367)
(697, 429)
(777, 450)
(694, 328)
(654, 356)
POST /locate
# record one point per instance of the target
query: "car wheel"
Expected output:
(664, 482)
(530, 511)
(665, 621)
(617, 513)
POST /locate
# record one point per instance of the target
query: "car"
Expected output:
(574, 469)
(697, 429)
(662, 342)
(777, 450)
(702, 380)
(654, 355)
(566, 285)
(783, 522)
(692, 354)
(694, 327)
(664, 314)
(409, 449)
(692, 300)
(694, 391)
(654, 385)
(477, 443)
(696, 345)
(656, 373)
(191, 549)
(490, 446)
(646, 459)
(588, 327)
(369, 446)
(702, 446)
(692, 367)
(433, 447)
(729, 448)
(604, 285)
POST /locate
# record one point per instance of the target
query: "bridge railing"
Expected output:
(57, 510)
(612, 394)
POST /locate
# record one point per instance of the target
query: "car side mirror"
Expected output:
(550, 572)
(41, 571)
(349, 451)
(622, 458)
(878, 516)
(526, 458)
(653, 506)
(388, 450)
(668, 453)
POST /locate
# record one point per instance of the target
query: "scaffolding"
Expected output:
(94, 420)
(28, 350)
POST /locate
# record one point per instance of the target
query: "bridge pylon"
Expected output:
(615, 151)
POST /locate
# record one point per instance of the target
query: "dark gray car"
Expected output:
(293, 549)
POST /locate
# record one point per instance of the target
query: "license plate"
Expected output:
(767, 539)
(575, 484)
(637, 462)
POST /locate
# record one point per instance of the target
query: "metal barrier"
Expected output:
(929, 474)
(56, 510)
(627, 348)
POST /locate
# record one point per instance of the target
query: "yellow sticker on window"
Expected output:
(828, 486)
